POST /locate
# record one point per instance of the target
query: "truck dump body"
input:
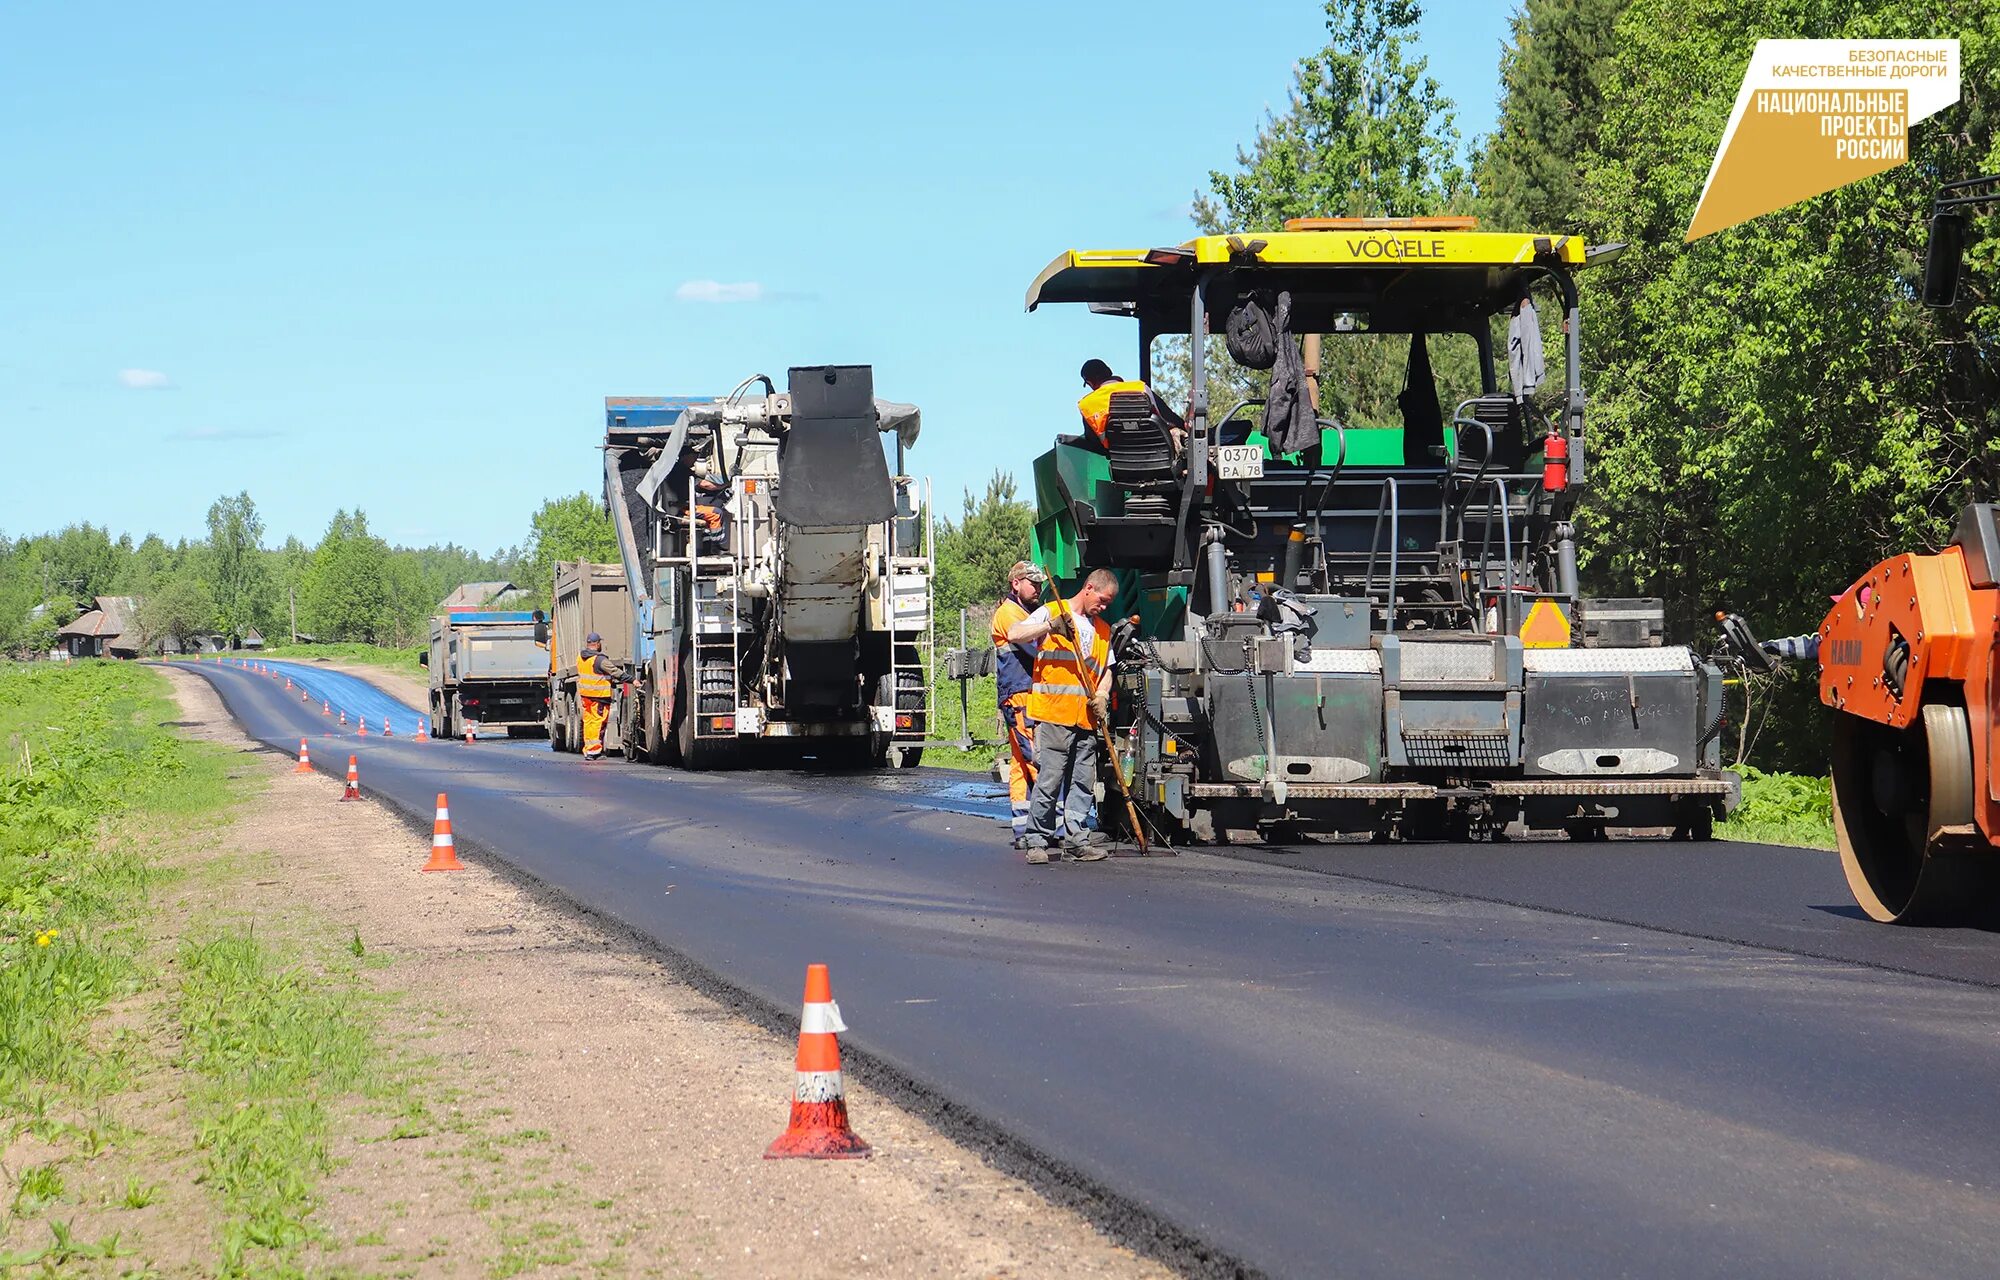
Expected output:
(486, 670)
(586, 598)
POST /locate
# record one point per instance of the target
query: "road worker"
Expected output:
(1070, 697)
(1014, 670)
(711, 517)
(1095, 406)
(595, 674)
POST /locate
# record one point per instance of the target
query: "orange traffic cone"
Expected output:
(325, 707)
(353, 791)
(468, 735)
(288, 682)
(423, 730)
(443, 856)
(305, 764)
(343, 719)
(385, 728)
(363, 722)
(818, 1130)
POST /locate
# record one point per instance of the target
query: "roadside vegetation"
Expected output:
(104, 994)
(1782, 808)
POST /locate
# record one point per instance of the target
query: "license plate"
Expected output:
(1239, 461)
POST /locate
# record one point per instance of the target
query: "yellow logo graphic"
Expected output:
(1813, 115)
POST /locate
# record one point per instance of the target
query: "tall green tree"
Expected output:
(975, 552)
(572, 528)
(1530, 173)
(235, 565)
(346, 593)
(1367, 131)
(178, 607)
(1772, 411)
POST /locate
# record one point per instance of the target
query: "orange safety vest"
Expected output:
(710, 517)
(1096, 404)
(1064, 678)
(589, 684)
(1013, 664)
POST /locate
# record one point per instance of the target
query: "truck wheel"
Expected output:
(670, 732)
(631, 734)
(911, 757)
(705, 753)
(650, 735)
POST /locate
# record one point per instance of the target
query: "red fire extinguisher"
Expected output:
(1555, 462)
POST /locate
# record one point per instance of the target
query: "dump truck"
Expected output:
(778, 571)
(487, 671)
(1366, 621)
(586, 598)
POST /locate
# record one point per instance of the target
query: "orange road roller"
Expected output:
(1908, 664)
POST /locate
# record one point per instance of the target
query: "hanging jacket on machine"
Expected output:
(1291, 419)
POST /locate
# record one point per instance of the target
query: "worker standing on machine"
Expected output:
(1014, 670)
(1071, 695)
(594, 676)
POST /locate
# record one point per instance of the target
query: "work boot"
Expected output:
(1038, 857)
(1082, 850)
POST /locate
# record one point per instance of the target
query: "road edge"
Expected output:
(1119, 1217)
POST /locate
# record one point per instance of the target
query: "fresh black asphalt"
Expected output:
(1495, 1060)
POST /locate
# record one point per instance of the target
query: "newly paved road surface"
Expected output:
(1491, 1060)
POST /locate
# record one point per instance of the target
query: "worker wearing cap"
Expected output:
(594, 674)
(1095, 406)
(1014, 670)
(1070, 697)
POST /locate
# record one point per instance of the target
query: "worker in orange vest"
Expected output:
(1014, 672)
(1095, 406)
(595, 675)
(1070, 697)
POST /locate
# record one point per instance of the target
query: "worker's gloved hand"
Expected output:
(1060, 624)
(1100, 706)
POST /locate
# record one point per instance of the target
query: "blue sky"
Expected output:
(394, 255)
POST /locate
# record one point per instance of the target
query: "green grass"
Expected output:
(269, 1042)
(81, 745)
(1781, 808)
(947, 723)
(92, 783)
(370, 655)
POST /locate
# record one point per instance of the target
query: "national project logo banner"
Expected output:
(1813, 115)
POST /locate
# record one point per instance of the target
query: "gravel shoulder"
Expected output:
(580, 1107)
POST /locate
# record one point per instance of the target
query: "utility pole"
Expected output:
(294, 593)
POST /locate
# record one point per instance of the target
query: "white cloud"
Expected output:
(717, 291)
(145, 379)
